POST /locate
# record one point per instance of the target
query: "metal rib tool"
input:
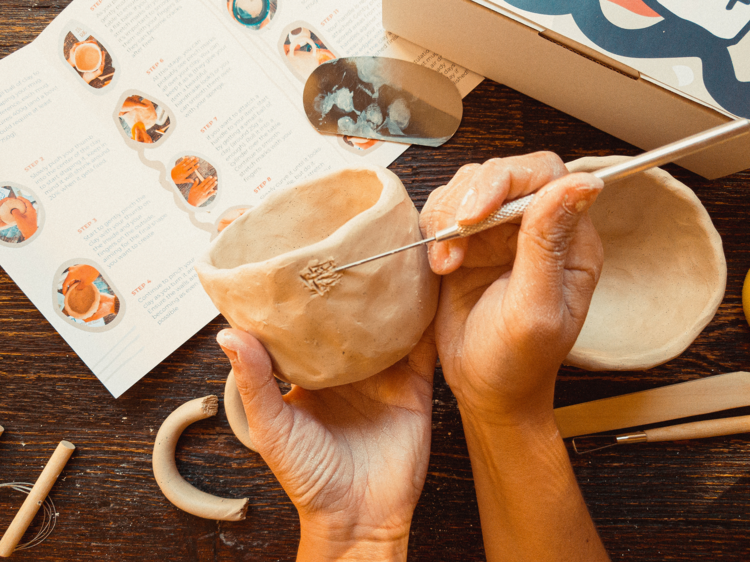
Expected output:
(609, 175)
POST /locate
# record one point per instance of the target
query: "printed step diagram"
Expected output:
(85, 297)
(21, 215)
(252, 14)
(88, 58)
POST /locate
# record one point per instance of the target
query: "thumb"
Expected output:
(547, 232)
(261, 397)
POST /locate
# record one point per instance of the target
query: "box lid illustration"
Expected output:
(700, 48)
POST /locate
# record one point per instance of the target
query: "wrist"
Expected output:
(324, 542)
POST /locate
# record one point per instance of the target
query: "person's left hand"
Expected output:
(352, 458)
(184, 169)
(78, 277)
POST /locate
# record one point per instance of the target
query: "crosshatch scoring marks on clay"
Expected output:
(320, 277)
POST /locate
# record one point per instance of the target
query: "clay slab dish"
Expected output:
(664, 272)
(82, 304)
(369, 319)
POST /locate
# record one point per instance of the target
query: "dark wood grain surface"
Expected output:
(680, 501)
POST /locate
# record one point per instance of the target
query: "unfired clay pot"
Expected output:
(664, 272)
(355, 325)
(84, 302)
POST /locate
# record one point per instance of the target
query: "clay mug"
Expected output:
(367, 318)
(82, 300)
(88, 57)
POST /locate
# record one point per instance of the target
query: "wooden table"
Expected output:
(672, 501)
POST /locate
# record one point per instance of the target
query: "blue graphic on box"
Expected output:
(682, 28)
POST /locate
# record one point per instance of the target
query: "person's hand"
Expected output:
(26, 221)
(106, 307)
(511, 306)
(134, 104)
(184, 168)
(352, 458)
(78, 277)
(512, 301)
(202, 191)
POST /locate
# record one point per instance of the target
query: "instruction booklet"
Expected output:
(132, 132)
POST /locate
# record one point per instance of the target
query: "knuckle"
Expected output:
(553, 162)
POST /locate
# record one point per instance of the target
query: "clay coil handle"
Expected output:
(699, 430)
(177, 490)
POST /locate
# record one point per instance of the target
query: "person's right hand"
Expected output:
(512, 303)
(78, 277)
(202, 191)
(513, 300)
(184, 168)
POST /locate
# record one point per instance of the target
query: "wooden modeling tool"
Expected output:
(2, 429)
(682, 400)
(609, 175)
(694, 430)
(35, 499)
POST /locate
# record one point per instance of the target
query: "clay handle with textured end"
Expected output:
(177, 490)
(36, 498)
(699, 430)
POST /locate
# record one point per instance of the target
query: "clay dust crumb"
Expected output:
(320, 277)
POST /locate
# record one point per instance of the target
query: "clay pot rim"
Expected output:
(593, 360)
(292, 256)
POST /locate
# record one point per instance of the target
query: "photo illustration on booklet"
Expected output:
(303, 50)
(85, 297)
(229, 216)
(197, 180)
(358, 145)
(88, 58)
(144, 122)
(252, 14)
(21, 215)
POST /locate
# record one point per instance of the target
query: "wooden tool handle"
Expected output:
(35, 499)
(699, 430)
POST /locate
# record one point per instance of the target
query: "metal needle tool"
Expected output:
(609, 175)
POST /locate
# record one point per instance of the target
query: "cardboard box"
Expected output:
(567, 75)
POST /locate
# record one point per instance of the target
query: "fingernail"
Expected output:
(581, 199)
(466, 208)
(228, 344)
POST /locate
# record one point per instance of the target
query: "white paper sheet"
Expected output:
(102, 230)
